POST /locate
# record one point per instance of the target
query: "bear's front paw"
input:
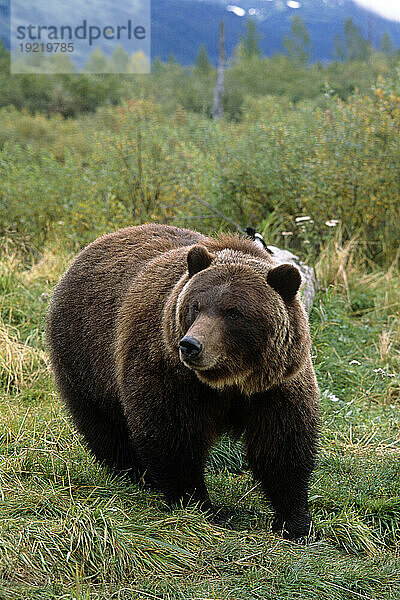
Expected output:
(298, 530)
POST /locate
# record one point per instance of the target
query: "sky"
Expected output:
(386, 8)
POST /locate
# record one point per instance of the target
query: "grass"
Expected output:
(69, 530)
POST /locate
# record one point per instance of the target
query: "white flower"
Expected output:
(286, 233)
(332, 223)
(379, 370)
(303, 220)
(330, 396)
(383, 372)
(354, 362)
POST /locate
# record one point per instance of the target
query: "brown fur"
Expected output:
(115, 326)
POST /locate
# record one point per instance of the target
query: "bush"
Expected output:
(306, 169)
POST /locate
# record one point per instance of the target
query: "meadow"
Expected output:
(68, 529)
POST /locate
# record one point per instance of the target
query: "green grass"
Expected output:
(69, 530)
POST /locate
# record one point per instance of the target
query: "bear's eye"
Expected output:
(196, 308)
(233, 314)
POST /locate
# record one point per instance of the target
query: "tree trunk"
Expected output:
(218, 108)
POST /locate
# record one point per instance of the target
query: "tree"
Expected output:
(97, 63)
(354, 46)
(4, 58)
(298, 45)
(60, 63)
(202, 63)
(119, 60)
(387, 45)
(139, 62)
(249, 43)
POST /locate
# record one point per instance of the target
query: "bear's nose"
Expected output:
(190, 347)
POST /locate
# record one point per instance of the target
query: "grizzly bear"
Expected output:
(162, 339)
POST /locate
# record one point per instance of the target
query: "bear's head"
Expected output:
(237, 320)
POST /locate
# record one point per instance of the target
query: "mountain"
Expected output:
(179, 27)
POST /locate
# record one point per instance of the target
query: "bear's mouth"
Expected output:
(195, 366)
(215, 375)
(201, 369)
(196, 363)
(216, 378)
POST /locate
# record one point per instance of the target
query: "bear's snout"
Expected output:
(189, 348)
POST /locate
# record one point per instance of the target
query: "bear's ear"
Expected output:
(198, 258)
(286, 280)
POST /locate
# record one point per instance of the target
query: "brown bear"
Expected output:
(162, 339)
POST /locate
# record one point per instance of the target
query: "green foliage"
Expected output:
(353, 46)
(119, 60)
(386, 45)
(97, 62)
(202, 64)
(249, 43)
(173, 86)
(298, 45)
(65, 94)
(336, 163)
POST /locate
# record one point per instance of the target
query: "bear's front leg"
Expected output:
(171, 444)
(281, 439)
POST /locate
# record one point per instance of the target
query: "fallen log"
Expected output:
(310, 285)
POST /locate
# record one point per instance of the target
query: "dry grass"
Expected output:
(21, 365)
(371, 293)
(45, 270)
(23, 302)
(337, 262)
